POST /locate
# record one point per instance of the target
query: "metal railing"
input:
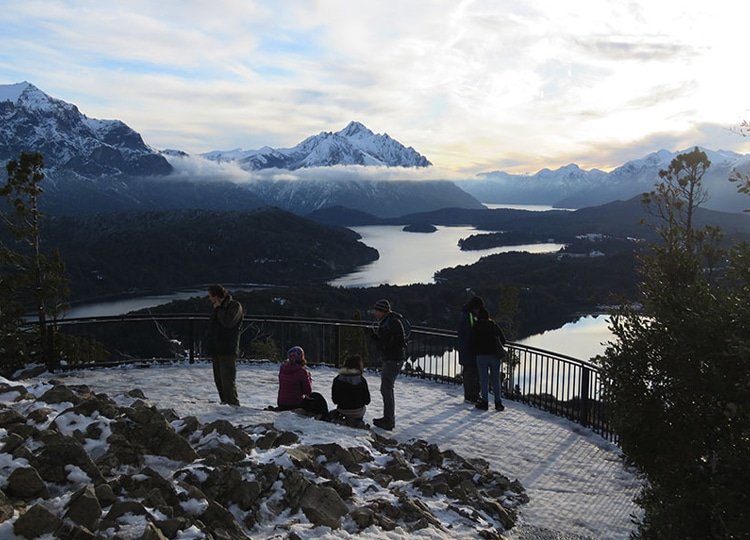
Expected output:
(560, 384)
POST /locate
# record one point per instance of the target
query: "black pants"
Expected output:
(471, 378)
(225, 374)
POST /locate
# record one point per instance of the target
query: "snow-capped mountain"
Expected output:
(573, 187)
(30, 120)
(353, 145)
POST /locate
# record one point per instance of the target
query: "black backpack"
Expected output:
(406, 325)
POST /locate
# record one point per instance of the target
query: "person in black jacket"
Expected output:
(391, 341)
(487, 340)
(349, 391)
(223, 345)
(466, 356)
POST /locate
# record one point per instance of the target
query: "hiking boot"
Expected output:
(482, 405)
(382, 423)
(499, 406)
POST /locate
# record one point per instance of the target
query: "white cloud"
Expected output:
(471, 85)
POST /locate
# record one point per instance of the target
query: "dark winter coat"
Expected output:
(389, 338)
(295, 382)
(484, 336)
(349, 389)
(224, 328)
(465, 324)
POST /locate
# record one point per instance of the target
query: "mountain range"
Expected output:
(573, 187)
(353, 145)
(95, 166)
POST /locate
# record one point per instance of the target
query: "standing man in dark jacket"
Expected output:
(224, 341)
(391, 341)
(466, 355)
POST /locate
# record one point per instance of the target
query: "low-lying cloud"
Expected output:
(199, 169)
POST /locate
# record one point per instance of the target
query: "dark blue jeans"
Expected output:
(388, 376)
(489, 363)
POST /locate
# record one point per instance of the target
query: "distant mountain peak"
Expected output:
(356, 144)
(11, 92)
(354, 128)
(32, 121)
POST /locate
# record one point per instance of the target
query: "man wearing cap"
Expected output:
(223, 344)
(390, 339)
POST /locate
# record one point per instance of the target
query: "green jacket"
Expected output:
(225, 327)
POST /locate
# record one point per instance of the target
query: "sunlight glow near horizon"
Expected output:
(474, 86)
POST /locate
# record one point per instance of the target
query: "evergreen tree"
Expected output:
(32, 277)
(677, 381)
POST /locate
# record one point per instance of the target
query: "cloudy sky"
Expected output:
(512, 85)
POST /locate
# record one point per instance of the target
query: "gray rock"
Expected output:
(8, 417)
(363, 517)
(398, 469)
(104, 494)
(221, 522)
(323, 506)
(335, 452)
(223, 427)
(120, 508)
(53, 458)
(26, 484)
(12, 441)
(171, 527)
(60, 394)
(84, 508)
(40, 415)
(6, 508)
(223, 453)
(35, 522)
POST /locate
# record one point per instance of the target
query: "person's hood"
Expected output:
(289, 368)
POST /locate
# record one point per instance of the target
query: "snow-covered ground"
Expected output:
(575, 479)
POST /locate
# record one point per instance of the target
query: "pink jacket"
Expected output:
(295, 382)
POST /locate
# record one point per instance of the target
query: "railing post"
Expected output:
(191, 340)
(337, 345)
(585, 405)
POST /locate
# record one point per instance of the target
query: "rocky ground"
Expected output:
(75, 464)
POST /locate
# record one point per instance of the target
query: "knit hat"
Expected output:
(382, 305)
(296, 354)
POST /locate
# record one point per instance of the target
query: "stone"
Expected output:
(223, 427)
(120, 508)
(363, 517)
(40, 415)
(171, 527)
(60, 394)
(6, 508)
(26, 484)
(12, 441)
(53, 458)
(35, 522)
(223, 453)
(104, 494)
(221, 522)
(323, 506)
(398, 469)
(335, 452)
(84, 508)
(8, 417)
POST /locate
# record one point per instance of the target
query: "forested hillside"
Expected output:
(162, 251)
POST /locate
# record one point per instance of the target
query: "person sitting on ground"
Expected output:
(295, 381)
(349, 391)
